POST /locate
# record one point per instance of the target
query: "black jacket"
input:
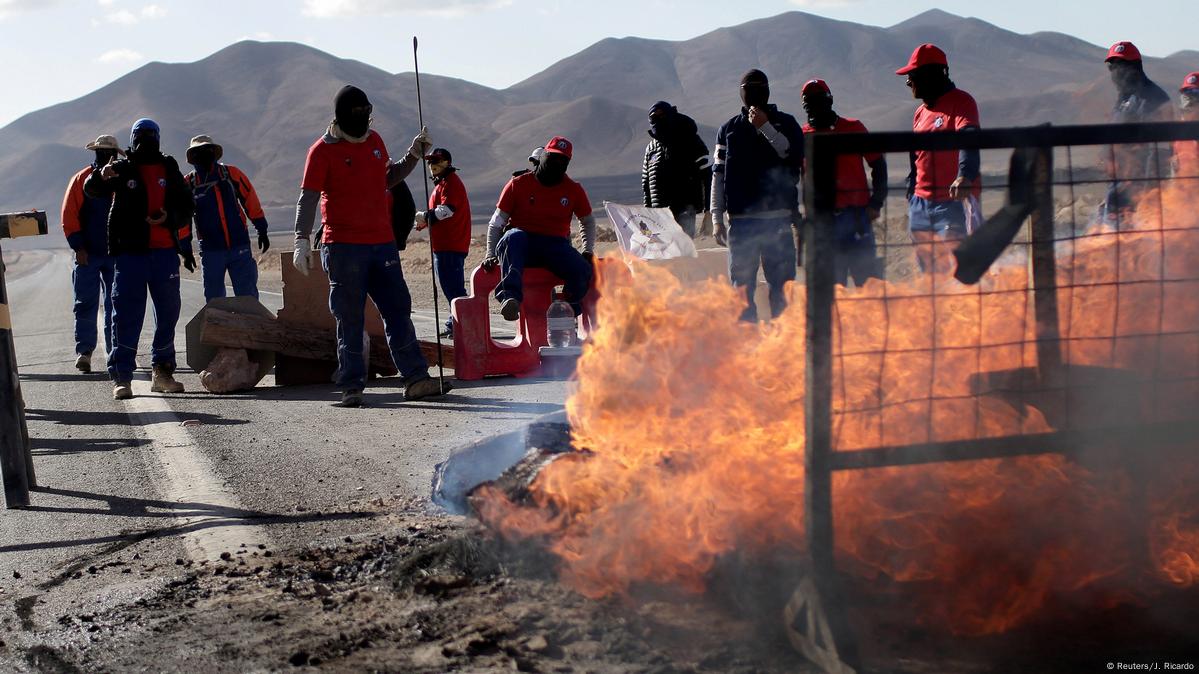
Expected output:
(677, 170)
(128, 231)
(756, 178)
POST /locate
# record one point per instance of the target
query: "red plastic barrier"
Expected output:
(477, 354)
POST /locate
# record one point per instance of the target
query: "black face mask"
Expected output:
(819, 109)
(1125, 75)
(552, 169)
(103, 157)
(203, 157)
(755, 95)
(352, 111)
(144, 146)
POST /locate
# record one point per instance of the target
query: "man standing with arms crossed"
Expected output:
(348, 173)
(757, 165)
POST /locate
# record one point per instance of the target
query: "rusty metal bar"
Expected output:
(995, 139)
(1044, 271)
(1073, 443)
(16, 462)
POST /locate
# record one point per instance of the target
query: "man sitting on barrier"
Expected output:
(539, 206)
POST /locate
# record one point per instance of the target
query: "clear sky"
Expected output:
(58, 50)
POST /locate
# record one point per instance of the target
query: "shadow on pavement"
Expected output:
(74, 418)
(66, 447)
(120, 506)
(97, 375)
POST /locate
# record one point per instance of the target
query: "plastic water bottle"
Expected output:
(560, 321)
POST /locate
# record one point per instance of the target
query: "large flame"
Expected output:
(696, 426)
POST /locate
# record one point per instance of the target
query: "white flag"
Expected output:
(649, 233)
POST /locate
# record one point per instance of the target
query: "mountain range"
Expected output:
(267, 102)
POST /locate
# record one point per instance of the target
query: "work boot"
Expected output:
(122, 391)
(447, 331)
(350, 398)
(510, 309)
(164, 381)
(84, 363)
(429, 387)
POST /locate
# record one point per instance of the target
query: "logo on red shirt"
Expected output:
(378, 155)
(131, 184)
(564, 201)
(162, 182)
(939, 122)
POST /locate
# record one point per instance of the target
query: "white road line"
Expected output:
(185, 476)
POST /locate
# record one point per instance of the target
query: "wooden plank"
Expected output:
(242, 331)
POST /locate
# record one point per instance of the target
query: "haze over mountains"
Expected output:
(267, 102)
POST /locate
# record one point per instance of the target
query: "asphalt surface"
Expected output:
(129, 491)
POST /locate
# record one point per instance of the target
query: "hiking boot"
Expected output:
(510, 309)
(447, 331)
(350, 398)
(164, 382)
(122, 391)
(429, 387)
(84, 363)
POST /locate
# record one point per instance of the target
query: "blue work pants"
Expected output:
(519, 249)
(855, 246)
(770, 243)
(449, 267)
(137, 275)
(91, 282)
(357, 271)
(241, 267)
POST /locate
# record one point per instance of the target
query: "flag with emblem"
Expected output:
(649, 233)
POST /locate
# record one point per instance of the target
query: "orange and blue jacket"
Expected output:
(84, 218)
(224, 199)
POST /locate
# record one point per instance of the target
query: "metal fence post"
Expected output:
(16, 458)
(815, 617)
(15, 461)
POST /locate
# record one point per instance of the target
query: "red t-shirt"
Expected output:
(154, 177)
(852, 189)
(453, 233)
(538, 209)
(954, 110)
(352, 180)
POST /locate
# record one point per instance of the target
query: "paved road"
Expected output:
(128, 489)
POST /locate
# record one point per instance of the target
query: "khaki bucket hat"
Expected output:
(105, 142)
(204, 141)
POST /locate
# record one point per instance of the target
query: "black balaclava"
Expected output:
(203, 157)
(1126, 75)
(352, 111)
(144, 140)
(103, 157)
(755, 89)
(552, 168)
(661, 118)
(819, 107)
(929, 82)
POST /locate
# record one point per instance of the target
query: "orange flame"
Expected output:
(697, 427)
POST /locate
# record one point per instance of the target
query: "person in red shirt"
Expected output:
(943, 186)
(539, 206)
(857, 205)
(149, 230)
(1186, 152)
(449, 219)
(348, 172)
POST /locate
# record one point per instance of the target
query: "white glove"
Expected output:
(421, 220)
(421, 144)
(301, 259)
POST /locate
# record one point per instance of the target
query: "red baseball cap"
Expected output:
(924, 55)
(1123, 51)
(1190, 82)
(560, 145)
(814, 87)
